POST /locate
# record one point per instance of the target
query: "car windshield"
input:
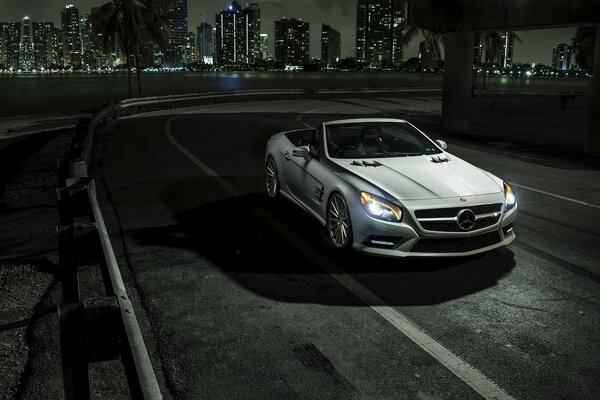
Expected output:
(377, 139)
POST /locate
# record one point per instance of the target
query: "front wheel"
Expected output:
(339, 225)
(272, 178)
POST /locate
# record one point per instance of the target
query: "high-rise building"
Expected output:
(237, 34)
(561, 56)
(426, 58)
(190, 55)
(71, 36)
(265, 54)
(26, 55)
(85, 26)
(379, 25)
(477, 50)
(11, 34)
(38, 30)
(292, 41)
(330, 44)
(505, 57)
(398, 27)
(178, 32)
(3, 48)
(252, 13)
(53, 47)
(206, 43)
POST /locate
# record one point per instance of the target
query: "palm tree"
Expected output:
(583, 45)
(130, 25)
(492, 44)
(433, 41)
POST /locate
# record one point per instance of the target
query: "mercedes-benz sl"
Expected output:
(383, 187)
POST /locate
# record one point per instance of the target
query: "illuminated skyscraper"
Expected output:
(237, 34)
(10, 32)
(3, 47)
(330, 44)
(505, 59)
(53, 46)
(26, 56)
(206, 43)
(265, 54)
(379, 31)
(252, 14)
(292, 39)
(190, 54)
(477, 50)
(178, 32)
(561, 56)
(86, 33)
(71, 36)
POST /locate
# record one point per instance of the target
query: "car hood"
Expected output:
(419, 177)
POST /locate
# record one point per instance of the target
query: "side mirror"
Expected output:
(301, 151)
(443, 145)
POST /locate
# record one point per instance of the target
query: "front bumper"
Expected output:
(410, 239)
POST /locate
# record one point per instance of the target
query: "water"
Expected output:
(36, 94)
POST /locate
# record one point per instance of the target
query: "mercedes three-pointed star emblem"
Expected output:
(465, 219)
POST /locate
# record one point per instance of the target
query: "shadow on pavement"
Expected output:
(226, 231)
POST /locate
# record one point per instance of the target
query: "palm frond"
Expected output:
(409, 33)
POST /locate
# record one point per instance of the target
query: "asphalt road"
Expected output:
(246, 300)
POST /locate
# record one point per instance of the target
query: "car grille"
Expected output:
(427, 218)
(451, 212)
(456, 245)
(445, 226)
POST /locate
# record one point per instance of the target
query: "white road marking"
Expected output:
(583, 203)
(464, 371)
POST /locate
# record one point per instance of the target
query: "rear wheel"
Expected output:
(272, 179)
(338, 225)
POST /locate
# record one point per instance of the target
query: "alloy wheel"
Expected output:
(272, 180)
(338, 222)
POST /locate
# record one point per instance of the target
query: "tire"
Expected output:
(271, 178)
(339, 226)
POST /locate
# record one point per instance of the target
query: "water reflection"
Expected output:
(32, 94)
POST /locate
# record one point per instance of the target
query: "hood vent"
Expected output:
(366, 163)
(439, 160)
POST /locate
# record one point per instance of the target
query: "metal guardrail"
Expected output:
(97, 329)
(106, 328)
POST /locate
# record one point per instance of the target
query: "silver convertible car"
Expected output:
(383, 187)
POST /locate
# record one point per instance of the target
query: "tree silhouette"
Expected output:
(583, 44)
(492, 44)
(131, 25)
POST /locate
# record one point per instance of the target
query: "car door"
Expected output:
(306, 176)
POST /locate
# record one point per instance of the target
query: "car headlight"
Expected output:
(509, 197)
(379, 208)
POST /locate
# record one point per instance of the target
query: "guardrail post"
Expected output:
(103, 327)
(78, 169)
(68, 263)
(76, 377)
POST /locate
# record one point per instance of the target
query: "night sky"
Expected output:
(341, 14)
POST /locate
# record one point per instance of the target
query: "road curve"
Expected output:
(247, 301)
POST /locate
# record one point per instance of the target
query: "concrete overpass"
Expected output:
(460, 19)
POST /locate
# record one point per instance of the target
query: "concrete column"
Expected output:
(458, 81)
(592, 143)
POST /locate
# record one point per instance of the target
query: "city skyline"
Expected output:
(340, 14)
